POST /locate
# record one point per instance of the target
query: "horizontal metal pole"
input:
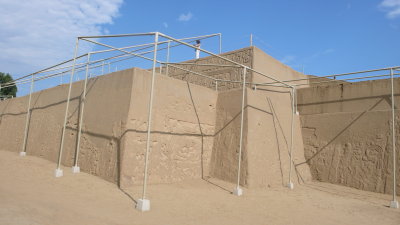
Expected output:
(337, 75)
(278, 81)
(220, 65)
(43, 70)
(119, 35)
(70, 60)
(355, 78)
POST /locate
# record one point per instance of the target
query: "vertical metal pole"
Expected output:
(58, 172)
(102, 68)
(220, 43)
(238, 191)
(295, 101)
(393, 203)
(251, 39)
(216, 85)
(28, 115)
(290, 185)
(168, 47)
(109, 67)
(76, 168)
(149, 117)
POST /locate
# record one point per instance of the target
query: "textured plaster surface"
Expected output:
(182, 130)
(106, 103)
(347, 134)
(243, 56)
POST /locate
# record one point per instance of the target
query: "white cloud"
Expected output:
(392, 8)
(39, 33)
(165, 24)
(185, 17)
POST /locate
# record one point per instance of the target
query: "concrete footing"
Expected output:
(58, 173)
(22, 154)
(237, 191)
(394, 204)
(76, 169)
(290, 186)
(143, 205)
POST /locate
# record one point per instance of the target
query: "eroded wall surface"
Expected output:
(269, 139)
(182, 130)
(224, 159)
(105, 111)
(347, 134)
(243, 56)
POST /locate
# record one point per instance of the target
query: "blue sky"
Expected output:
(323, 37)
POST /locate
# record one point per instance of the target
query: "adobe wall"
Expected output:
(251, 57)
(182, 131)
(107, 105)
(224, 159)
(268, 139)
(347, 134)
(264, 63)
(243, 56)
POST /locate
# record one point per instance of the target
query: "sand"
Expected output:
(29, 194)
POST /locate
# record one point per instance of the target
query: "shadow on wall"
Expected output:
(352, 148)
(88, 153)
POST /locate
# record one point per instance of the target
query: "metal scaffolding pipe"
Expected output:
(149, 120)
(199, 64)
(28, 114)
(290, 184)
(337, 75)
(75, 168)
(238, 191)
(347, 79)
(168, 49)
(394, 203)
(58, 171)
(220, 43)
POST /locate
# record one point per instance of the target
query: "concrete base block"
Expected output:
(290, 186)
(237, 191)
(143, 205)
(394, 204)
(297, 113)
(76, 169)
(58, 173)
(22, 154)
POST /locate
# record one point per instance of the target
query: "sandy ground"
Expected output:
(29, 194)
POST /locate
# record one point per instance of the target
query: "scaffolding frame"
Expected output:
(77, 67)
(127, 53)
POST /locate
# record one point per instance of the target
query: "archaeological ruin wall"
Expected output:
(347, 133)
